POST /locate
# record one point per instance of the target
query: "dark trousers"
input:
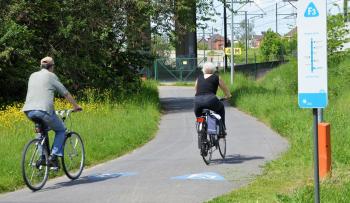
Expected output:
(211, 102)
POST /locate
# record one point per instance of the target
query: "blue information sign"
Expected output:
(312, 54)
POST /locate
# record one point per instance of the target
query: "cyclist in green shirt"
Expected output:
(39, 104)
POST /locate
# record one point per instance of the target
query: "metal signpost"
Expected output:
(232, 43)
(312, 65)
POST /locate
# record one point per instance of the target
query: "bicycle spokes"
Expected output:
(34, 165)
(73, 157)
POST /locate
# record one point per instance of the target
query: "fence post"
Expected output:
(155, 66)
(256, 66)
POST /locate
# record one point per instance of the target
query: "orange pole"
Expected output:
(324, 146)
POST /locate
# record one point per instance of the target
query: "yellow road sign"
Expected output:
(237, 51)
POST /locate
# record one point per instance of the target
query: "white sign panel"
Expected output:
(312, 54)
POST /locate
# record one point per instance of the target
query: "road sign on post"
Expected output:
(312, 54)
(236, 51)
(312, 66)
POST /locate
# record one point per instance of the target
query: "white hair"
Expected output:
(208, 68)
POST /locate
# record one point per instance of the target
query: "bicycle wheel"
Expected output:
(73, 155)
(35, 170)
(206, 151)
(222, 146)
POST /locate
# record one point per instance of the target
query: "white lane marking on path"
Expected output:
(111, 175)
(201, 176)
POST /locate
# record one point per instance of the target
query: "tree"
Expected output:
(336, 33)
(161, 46)
(95, 44)
(272, 46)
(202, 45)
(291, 45)
(241, 32)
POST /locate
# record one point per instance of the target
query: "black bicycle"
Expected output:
(35, 156)
(210, 140)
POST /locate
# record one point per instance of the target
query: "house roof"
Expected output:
(202, 40)
(216, 37)
(258, 37)
(291, 32)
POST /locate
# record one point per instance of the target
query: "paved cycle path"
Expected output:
(161, 171)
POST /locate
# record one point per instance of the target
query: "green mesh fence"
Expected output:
(179, 69)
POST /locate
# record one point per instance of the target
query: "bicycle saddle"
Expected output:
(38, 122)
(205, 111)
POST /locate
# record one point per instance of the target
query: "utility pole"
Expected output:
(276, 18)
(346, 10)
(211, 43)
(232, 32)
(203, 44)
(246, 37)
(225, 35)
(232, 42)
(211, 38)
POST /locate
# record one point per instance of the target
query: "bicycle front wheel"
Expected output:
(35, 170)
(73, 155)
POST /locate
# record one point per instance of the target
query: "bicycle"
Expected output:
(35, 156)
(210, 138)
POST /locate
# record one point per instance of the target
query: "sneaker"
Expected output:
(40, 162)
(53, 162)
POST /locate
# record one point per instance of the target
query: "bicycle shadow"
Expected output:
(235, 159)
(88, 180)
(177, 104)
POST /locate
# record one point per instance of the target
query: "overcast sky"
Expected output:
(268, 9)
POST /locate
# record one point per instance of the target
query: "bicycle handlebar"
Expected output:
(66, 112)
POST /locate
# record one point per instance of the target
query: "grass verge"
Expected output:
(108, 130)
(274, 101)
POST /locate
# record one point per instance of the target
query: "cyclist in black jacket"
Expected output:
(206, 87)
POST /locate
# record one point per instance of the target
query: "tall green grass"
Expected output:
(109, 129)
(274, 101)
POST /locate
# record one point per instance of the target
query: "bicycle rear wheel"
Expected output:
(35, 170)
(73, 155)
(206, 150)
(222, 146)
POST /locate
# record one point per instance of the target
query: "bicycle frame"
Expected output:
(43, 135)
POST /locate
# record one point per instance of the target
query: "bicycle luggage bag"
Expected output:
(211, 125)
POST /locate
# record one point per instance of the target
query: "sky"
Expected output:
(268, 18)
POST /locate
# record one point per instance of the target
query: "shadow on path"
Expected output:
(86, 180)
(235, 159)
(177, 104)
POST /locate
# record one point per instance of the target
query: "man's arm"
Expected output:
(64, 92)
(71, 100)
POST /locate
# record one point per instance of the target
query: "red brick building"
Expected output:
(216, 42)
(256, 41)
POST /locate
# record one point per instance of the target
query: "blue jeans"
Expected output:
(55, 124)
